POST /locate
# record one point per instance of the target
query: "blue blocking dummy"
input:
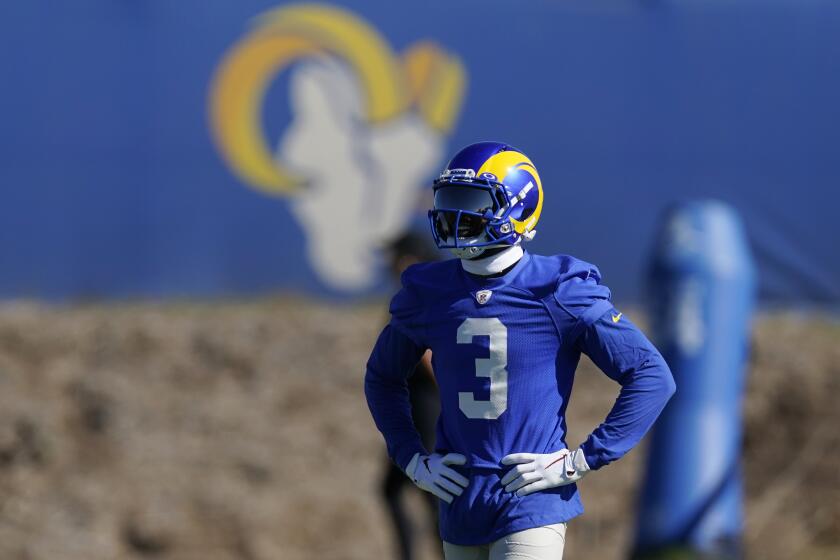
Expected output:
(702, 293)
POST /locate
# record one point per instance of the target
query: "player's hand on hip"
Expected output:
(432, 474)
(534, 472)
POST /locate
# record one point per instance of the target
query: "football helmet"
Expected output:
(489, 195)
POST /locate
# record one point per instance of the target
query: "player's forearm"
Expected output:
(391, 410)
(393, 359)
(644, 393)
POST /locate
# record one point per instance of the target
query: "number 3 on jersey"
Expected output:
(492, 367)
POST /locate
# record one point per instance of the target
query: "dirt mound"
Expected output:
(232, 431)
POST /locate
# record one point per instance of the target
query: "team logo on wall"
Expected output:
(367, 127)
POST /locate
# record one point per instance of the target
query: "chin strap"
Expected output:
(494, 264)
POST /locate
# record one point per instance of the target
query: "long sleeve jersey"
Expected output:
(504, 352)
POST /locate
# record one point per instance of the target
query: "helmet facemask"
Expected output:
(468, 216)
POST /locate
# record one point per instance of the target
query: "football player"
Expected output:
(506, 329)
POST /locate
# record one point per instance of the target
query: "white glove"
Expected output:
(431, 473)
(534, 472)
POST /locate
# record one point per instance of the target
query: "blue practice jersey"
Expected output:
(504, 352)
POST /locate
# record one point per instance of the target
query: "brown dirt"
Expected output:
(239, 431)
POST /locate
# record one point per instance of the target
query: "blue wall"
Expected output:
(112, 186)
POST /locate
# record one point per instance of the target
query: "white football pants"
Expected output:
(540, 543)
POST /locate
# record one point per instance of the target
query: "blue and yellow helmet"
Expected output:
(489, 195)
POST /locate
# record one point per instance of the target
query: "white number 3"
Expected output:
(492, 367)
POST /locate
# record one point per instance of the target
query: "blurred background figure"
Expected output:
(411, 248)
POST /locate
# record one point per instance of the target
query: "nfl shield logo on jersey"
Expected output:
(483, 296)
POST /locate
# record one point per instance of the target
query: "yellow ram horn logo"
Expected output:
(425, 79)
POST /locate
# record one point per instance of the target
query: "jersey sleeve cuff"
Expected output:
(592, 458)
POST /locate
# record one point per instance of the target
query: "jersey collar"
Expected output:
(473, 281)
(494, 264)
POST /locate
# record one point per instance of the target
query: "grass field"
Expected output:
(239, 431)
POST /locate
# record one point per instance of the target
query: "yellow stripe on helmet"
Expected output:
(503, 163)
